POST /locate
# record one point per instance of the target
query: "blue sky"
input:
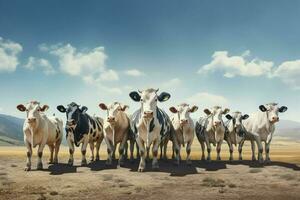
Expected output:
(238, 54)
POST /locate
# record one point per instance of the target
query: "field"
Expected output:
(216, 180)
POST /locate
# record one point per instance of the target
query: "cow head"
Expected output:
(216, 115)
(148, 99)
(183, 111)
(113, 110)
(33, 112)
(237, 119)
(73, 112)
(272, 110)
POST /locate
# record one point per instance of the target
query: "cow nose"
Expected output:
(110, 119)
(183, 121)
(71, 122)
(217, 123)
(31, 119)
(275, 118)
(148, 113)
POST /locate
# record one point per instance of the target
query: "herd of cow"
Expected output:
(148, 126)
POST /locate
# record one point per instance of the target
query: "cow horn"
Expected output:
(157, 90)
(140, 91)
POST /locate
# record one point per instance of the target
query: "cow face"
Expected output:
(237, 119)
(113, 110)
(272, 111)
(33, 112)
(73, 112)
(148, 99)
(183, 111)
(216, 114)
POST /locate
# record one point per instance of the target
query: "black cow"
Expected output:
(82, 128)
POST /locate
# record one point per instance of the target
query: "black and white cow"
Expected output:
(82, 128)
(150, 124)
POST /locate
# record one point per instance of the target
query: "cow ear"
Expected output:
(21, 107)
(262, 108)
(124, 107)
(103, 106)
(282, 109)
(164, 96)
(194, 109)
(44, 108)
(61, 108)
(83, 109)
(245, 116)
(207, 111)
(228, 116)
(135, 96)
(173, 109)
(226, 110)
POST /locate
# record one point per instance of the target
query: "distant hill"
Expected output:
(289, 129)
(11, 129)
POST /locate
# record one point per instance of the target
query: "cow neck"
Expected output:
(269, 125)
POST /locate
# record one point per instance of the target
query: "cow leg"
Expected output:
(155, 154)
(121, 150)
(83, 151)
(241, 149)
(40, 155)
(137, 150)
(113, 152)
(131, 150)
(56, 150)
(161, 150)
(29, 154)
(98, 143)
(71, 151)
(267, 149)
(219, 149)
(253, 150)
(110, 150)
(165, 157)
(126, 150)
(142, 154)
(203, 150)
(208, 150)
(92, 147)
(230, 149)
(148, 152)
(51, 149)
(188, 152)
(260, 149)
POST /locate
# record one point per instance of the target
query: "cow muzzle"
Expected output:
(71, 122)
(111, 119)
(31, 120)
(148, 114)
(275, 119)
(217, 123)
(183, 122)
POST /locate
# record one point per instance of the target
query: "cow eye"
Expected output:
(155, 99)
(142, 100)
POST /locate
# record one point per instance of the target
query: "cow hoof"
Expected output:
(261, 161)
(240, 158)
(50, 162)
(70, 162)
(39, 166)
(27, 169)
(121, 163)
(189, 162)
(202, 158)
(208, 160)
(140, 169)
(97, 158)
(83, 162)
(268, 161)
(218, 158)
(230, 159)
(91, 159)
(253, 159)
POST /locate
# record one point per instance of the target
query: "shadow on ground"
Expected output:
(167, 166)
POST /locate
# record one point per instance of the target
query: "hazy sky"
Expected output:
(238, 54)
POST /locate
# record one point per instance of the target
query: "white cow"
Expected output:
(150, 124)
(40, 130)
(235, 130)
(260, 127)
(116, 130)
(211, 129)
(184, 128)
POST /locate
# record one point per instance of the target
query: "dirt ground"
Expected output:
(202, 180)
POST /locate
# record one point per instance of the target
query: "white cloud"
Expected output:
(9, 51)
(233, 66)
(208, 100)
(171, 84)
(134, 72)
(109, 75)
(44, 64)
(97, 83)
(289, 73)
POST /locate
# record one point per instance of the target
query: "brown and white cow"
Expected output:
(116, 129)
(184, 128)
(40, 130)
(260, 127)
(211, 129)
